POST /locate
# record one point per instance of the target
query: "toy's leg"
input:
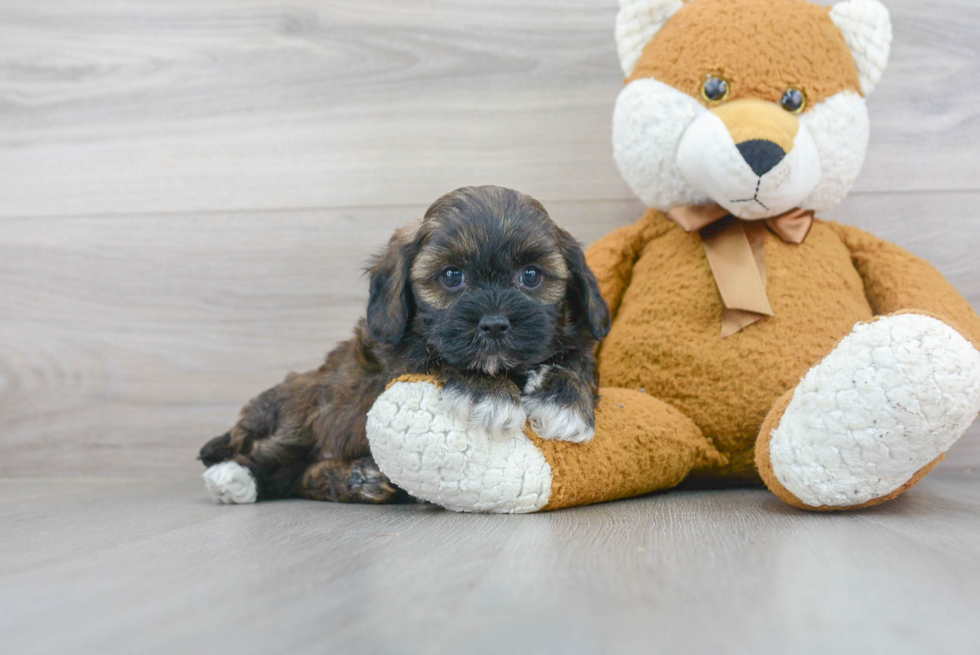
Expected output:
(874, 417)
(641, 445)
(340, 481)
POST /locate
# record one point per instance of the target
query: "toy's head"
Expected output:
(756, 105)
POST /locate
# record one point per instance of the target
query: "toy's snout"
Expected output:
(763, 132)
(750, 156)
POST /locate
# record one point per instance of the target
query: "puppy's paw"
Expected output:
(551, 420)
(495, 413)
(367, 484)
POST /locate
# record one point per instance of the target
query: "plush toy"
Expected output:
(751, 340)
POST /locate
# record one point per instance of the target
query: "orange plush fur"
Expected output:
(761, 52)
(664, 341)
(660, 288)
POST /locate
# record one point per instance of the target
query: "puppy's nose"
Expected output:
(494, 326)
(761, 155)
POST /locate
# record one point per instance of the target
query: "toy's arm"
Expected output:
(612, 257)
(895, 280)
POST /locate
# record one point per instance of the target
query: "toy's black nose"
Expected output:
(494, 326)
(762, 156)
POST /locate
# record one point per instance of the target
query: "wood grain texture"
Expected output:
(217, 105)
(189, 189)
(85, 568)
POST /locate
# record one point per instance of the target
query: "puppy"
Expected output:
(487, 294)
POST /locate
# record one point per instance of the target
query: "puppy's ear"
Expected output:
(390, 301)
(583, 289)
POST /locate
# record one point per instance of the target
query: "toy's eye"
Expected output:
(794, 101)
(452, 278)
(531, 277)
(714, 89)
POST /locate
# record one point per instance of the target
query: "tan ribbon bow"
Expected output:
(737, 256)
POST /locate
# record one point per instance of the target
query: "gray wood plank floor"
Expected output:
(138, 566)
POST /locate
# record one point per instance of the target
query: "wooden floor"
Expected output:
(188, 190)
(136, 566)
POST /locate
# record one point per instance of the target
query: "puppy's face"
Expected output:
(493, 284)
(490, 281)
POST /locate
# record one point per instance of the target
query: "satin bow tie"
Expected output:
(737, 256)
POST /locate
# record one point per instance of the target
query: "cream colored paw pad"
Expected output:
(891, 398)
(420, 444)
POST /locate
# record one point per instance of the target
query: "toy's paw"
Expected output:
(560, 422)
(434, 454)
(230, 483)
(888, 401)
(496, 411)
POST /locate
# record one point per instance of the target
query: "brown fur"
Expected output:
(809, 53)
(657, 281)
(814, 289)
(662, 448)
(303, 436)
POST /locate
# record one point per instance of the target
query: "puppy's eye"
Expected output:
(531, 277)
(714, 89)
(452, 278)
(794, 101)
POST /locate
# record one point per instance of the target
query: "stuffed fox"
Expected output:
(751, 340)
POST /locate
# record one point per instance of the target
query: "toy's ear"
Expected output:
(636, 25)
(867, 29)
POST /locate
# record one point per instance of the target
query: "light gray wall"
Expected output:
(188, 189)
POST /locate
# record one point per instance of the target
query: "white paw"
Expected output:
(557, 422)
(434, 456)
(494, 414)
(230, 483)
(891, 398)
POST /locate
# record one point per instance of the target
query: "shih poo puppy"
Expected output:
(487, 294)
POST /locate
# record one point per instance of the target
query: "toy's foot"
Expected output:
(873, 417)
(437, 456)
(230, 483)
